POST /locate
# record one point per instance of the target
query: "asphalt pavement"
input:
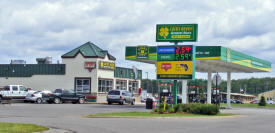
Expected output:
(70, 117)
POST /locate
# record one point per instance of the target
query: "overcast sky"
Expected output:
(32, 28)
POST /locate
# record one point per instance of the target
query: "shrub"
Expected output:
(197, 108)
(262, 101)
(176, 108)
(171, 110)
(161, 108)
(209, 109)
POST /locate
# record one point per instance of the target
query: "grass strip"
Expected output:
(250, 105)
(20, 128)
(149, 114)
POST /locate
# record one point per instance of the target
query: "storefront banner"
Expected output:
(107, 65)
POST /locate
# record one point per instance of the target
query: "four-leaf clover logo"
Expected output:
(163, 32)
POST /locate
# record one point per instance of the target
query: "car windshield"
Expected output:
(71, 91)
(114, 93)
(36, 92)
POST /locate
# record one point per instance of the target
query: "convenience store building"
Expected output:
(87, 69)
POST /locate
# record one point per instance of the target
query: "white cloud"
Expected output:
(51, 28)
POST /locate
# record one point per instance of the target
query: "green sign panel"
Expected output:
(166, 57)
(142, 52)
(176, 32)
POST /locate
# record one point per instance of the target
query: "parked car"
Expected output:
(238, 102)
(232, 101)
(14, 92)
(37, 96)
(254, 102)
(270, 102)
(120, 96)
(62, 95)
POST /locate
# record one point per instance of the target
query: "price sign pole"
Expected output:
(175, 88)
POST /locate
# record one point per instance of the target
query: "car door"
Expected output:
(124, 95)
(68, 95)
(14, 91)
(23, 91)
(127, 96)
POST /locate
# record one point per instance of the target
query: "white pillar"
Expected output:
(228, 95)
(209, 88)
(184, 91)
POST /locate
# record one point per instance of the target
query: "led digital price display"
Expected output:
(183, 53)
(176, 62)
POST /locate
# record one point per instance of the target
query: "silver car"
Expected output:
(121, 97)
(36, 96)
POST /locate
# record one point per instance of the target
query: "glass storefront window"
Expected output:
(121, 84)
(133, 86)
(83, 85)
(105, 85)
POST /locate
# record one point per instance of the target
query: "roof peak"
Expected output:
(88, 50)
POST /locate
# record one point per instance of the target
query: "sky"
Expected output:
(33, 29)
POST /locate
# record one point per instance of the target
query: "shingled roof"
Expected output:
(88, 50)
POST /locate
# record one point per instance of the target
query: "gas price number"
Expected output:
(183, 53)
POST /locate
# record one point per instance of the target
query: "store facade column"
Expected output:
(228, 95)
(184, 91)
(209, 87)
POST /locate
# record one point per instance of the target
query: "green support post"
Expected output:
(175, 93)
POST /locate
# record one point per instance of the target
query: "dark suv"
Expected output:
(120, 96)
(62, 95)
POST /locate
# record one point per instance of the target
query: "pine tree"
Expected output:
(262, 101)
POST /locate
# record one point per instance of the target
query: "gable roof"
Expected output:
(88, 50)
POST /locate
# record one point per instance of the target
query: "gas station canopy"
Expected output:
(209, 59)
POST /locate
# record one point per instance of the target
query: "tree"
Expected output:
(262, 101)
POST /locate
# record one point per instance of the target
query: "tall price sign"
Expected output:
(176, 62)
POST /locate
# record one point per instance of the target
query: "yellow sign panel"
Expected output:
(107, 65)
(175, 67)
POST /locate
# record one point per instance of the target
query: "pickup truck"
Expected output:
(13, 92)
(62, 95)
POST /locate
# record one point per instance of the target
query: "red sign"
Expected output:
(89, 65)
(166, 66)
(183, 49)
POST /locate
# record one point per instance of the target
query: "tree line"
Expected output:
(252, 86)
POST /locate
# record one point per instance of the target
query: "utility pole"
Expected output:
(147, 85)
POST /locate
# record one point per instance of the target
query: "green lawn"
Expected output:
(149, 114)
(20, 128)
(250, 105)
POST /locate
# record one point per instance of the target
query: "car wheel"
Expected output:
(133, 102)
(57, 100)
(81, 100)
(39, 100)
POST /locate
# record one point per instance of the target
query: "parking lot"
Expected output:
(71, 117)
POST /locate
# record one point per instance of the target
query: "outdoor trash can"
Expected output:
(149, 103)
